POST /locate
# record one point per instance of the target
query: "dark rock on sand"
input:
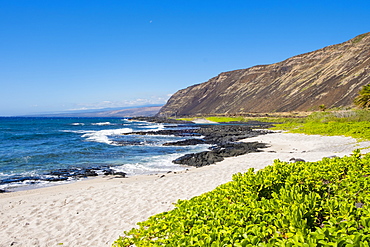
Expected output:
(221, 134)
(198, 159)
(73, 172)
(56, 179)
(224, 137)
(122, 174)
(18, 179)
(108, 171)
(62, 175)
(61, 172)
(295, 160)
(219, 153)
(90, 173)
(239, 148)
(186, 142)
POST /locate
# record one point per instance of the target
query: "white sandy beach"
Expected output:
(95, 212)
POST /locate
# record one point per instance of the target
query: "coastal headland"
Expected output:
(97, 211)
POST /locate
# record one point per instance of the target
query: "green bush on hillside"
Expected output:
(363, 98)
(323, 203)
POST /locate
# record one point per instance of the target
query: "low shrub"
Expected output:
(323, 203)
(355, 124)
(226, 119)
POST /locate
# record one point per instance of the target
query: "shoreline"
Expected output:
(94, 212)
(210, 134)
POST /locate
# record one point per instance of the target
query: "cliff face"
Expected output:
(331, 76)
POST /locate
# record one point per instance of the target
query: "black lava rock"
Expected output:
(186, 142)
(121, 174)
(219, 153)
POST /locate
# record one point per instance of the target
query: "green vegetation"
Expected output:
(226, 119)
(323, 203)
(353, 123)
(246, 119)
(322, 107)
(363, 99)
(359, 130)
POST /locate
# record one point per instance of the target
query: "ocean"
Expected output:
(34, 151)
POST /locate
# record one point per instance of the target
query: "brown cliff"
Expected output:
(331, 76)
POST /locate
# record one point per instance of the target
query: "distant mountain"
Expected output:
(145, 111)
(331, 76)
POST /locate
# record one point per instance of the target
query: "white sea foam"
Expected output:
(4, 175)
(78, 131)
(145, 124)
(102, 136)
(77, 124)
(145, 168)
(32, 184)
(134, 121)
(153, 127)
(102, 123)
(153, 165)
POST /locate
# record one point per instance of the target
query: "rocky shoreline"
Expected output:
(219, 153)
(61, 175)
(223, 137)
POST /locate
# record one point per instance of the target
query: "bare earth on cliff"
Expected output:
(331, 76)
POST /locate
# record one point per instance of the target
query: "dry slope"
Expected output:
(331, 76)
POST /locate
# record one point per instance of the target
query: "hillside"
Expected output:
(331, 76)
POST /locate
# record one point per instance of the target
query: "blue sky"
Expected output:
(58, 55)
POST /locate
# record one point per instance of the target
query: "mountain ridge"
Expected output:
(330, 76)
(139, 111)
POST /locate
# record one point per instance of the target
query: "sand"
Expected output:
(95, 212)
(203, 121)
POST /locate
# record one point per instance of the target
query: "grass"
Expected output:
(358, 130)
(226, 119)
(352, 123)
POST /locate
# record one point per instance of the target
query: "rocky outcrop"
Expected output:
(223, 138)
(210, 134)
(331, 76)
(219, 153)
(62, 175)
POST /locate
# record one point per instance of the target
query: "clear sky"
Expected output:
(58, 55)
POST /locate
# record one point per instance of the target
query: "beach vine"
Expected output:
(324, 203)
